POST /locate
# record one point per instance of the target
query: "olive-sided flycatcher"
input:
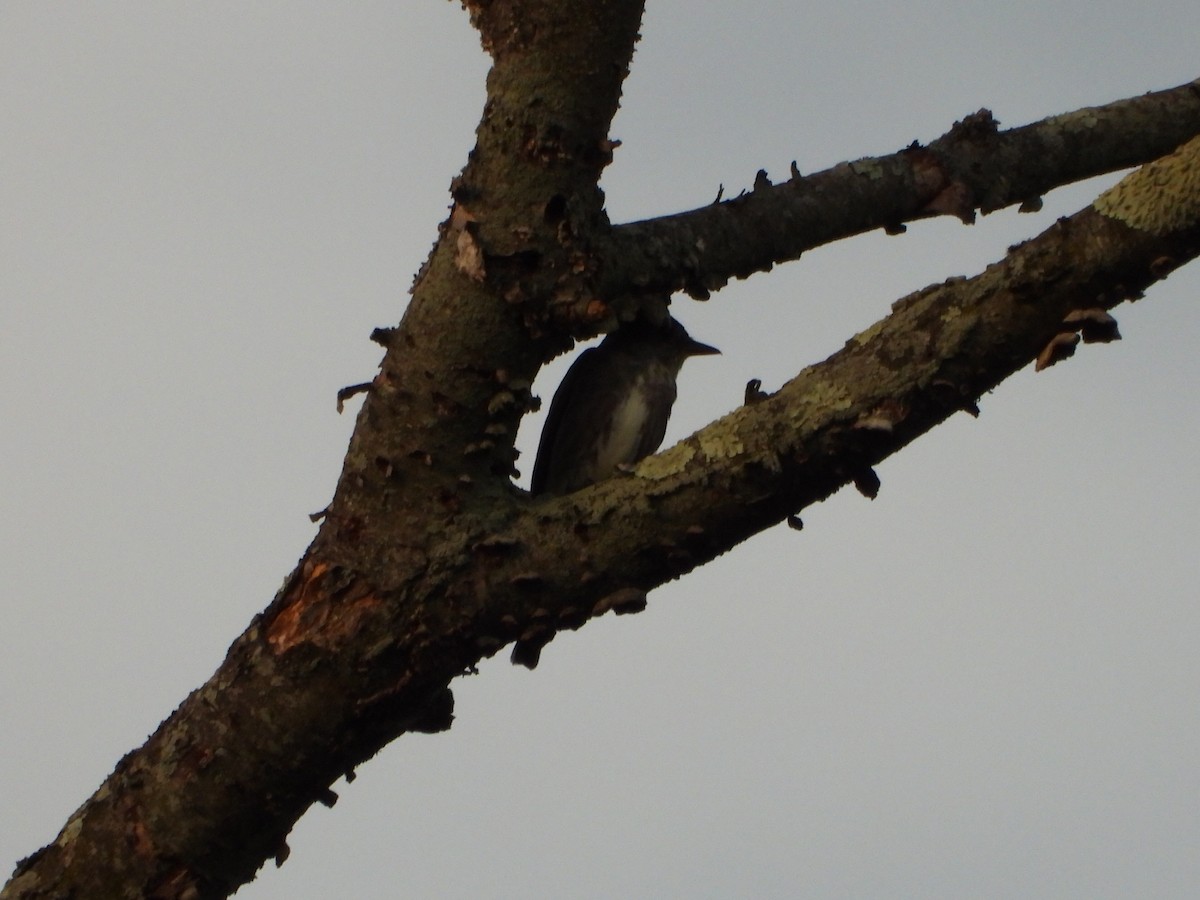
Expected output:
(612, 407)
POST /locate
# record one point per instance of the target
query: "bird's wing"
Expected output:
(560, 433)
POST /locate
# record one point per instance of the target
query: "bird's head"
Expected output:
(667, 340)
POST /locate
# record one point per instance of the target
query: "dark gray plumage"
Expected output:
(612, 407)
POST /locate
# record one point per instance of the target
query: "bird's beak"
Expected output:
(695, 348)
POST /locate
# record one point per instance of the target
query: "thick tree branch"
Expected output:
(344, 660)
(973, 166)
(300, 699)
(429, 560)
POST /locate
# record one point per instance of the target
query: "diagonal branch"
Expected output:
(973, 166)
(938, 351)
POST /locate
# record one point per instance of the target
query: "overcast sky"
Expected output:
(981, 684)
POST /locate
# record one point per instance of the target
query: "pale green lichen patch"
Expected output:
(669, 462)
(950, 314)
(720, 440)
(720, 443)
(1072, 122)
(1159, 198)
(957, 324)
(828, 395)
(870, 167)
(868, 334)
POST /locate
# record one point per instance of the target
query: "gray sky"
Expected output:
(981, 684)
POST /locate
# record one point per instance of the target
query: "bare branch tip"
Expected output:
(349, 391)
(867, 483)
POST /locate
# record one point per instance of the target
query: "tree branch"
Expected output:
(938, 351)
(337, 666)
(973, 166)
(429, 560)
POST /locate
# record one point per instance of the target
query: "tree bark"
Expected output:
(429, 559)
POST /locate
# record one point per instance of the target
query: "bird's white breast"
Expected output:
(620, 444)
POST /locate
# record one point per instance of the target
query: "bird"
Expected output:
(612, 407)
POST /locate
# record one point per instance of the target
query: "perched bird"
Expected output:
(612, 407)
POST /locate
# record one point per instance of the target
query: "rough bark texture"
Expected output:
(428, 558)
(973, 166)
